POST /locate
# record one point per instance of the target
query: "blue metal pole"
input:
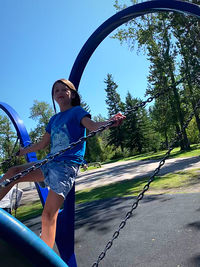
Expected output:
(117, 20)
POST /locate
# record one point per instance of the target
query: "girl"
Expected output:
(65, 127)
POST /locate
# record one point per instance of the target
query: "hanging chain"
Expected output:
(145, 188)
(51, 157)
(12, 155)
(135, 108)
(81, 140)
(93, 133)
(151, 98)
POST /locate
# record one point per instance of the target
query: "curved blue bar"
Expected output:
(31, 246)
(117, 20)
(65, 224)
(24, 141)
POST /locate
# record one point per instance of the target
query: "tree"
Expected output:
(187, 32)
(40, 112)
(153, 33)
(134, 134)
(114, 106)
(8, 145)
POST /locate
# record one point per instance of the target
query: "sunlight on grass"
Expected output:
(121, 189)
(134, 186)
(26, 212)
(129, 187)
(176, 153)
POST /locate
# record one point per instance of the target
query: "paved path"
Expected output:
(120, 171)
(163, 231)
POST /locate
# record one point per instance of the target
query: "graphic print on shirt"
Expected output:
(59, 138)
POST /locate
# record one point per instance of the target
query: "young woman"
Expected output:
(65, 127)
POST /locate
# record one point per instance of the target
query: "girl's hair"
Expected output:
(75, 101)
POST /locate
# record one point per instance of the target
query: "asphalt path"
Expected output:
(124, 170)
(164, 230)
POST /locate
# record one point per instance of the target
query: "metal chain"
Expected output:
(145, 188)
(82, 139)
(151, 98)
(51, 157)
(13, 156)
(135, 108)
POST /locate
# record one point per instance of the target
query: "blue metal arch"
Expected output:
(117, 20)
(75, 76)
(24, 141)
(65, 223)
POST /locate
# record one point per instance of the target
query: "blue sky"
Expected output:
(39, 44)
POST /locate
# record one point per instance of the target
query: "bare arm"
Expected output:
(44, 142)
(93, 126)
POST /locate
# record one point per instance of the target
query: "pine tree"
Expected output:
(114, 106)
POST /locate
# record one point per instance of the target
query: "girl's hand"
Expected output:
(118, 119)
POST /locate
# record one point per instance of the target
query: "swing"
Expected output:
(77, 70)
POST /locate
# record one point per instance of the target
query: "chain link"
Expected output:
(13, 156)
(82, 139)
(151, 98)
(51, 157)
(145, 188)
(91, 134)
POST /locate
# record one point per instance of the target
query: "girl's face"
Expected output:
(63, 95)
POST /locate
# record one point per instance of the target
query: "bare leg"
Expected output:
(49, 217)
(34, 176)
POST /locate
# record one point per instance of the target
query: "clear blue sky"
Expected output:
(39, 44)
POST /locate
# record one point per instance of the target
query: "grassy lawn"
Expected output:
(129, 187)
(176, 153)
(133, 187)
(29, 211)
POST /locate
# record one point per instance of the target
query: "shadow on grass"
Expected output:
(134, 170)
(27, 212)
(134, 186)
(159, 155)
(119, 189)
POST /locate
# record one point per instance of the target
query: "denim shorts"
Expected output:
(59, 176)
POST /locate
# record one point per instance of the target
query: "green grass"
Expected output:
(134, 186)
(29, 211)
(128, 187)
(176, 153)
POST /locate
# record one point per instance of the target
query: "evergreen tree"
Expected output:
(133, 132)
(114, 106)
(153, 33)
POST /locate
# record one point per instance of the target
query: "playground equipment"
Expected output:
(65, 231)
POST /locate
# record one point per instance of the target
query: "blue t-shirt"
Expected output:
(65, 127)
